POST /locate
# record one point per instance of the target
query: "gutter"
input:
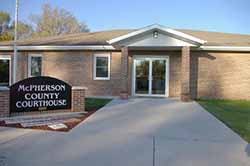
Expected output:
(111, 48)
(55, 48)
(225, 48)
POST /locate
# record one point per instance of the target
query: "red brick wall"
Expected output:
(76, 68)
(4, 103)
(220, 75)
(213, 74)
(22, 66)
(175, 75)
(185, 74)
(78, 99)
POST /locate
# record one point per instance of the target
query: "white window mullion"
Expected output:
(30, 64)
(150, 77)
(95, 67)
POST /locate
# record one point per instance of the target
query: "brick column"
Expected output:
(78, 99)
(4, 102)
(124, 73)
(185, 74)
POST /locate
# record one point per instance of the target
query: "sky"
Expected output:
(231, 16)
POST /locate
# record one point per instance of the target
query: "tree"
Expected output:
(5, 36)
(24, 29)
(7, 30)
(4, 21)
(55, 21)
(51, 22)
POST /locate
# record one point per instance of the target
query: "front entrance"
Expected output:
(151, 76)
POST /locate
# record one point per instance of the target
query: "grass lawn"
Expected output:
(234, 113)
(93, 103)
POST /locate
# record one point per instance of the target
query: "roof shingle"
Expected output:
(101, 38)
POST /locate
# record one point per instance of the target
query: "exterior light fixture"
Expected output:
(155, 34)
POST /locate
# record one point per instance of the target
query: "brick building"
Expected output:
(153, 61)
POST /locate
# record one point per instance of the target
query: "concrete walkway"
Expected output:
(121, 134)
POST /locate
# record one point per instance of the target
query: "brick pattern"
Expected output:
(185, 74)
(124, 69)
(220, 75)
(22, 65)
(175, 74)
(4, 103)
(76, 68)
(78, 99)
(69, 65)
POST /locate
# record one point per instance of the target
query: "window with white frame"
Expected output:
(101, 66)
(5, 70)
(35, 65)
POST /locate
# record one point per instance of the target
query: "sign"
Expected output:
(40, 94)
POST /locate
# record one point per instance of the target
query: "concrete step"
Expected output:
(47, 122)
(42, 115)
(43, 118)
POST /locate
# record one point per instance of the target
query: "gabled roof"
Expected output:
(219, 38)
(157, 27)
(91, 38)
(101, 38)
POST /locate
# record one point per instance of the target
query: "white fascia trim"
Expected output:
(85, 47)
(185, 36)
(160, 27)
(225, 48)
(6, 48)
(134, 33)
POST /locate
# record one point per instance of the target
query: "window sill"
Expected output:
(4, 88)
(101, 79)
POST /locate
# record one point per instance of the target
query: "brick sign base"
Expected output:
(78, 103)
(4, 102)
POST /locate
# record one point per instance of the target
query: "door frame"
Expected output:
(150, 58)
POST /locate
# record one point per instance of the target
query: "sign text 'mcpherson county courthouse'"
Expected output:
(40, 93)
(41, 96)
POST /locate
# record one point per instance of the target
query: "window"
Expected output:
(5, 70)
(102, 67)
(35, 65)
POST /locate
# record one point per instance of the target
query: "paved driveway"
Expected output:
(121, 134)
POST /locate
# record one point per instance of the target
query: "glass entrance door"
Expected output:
(151, 76)
(158, 76)
(142, 76)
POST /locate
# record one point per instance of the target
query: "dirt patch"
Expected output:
(70, 125)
